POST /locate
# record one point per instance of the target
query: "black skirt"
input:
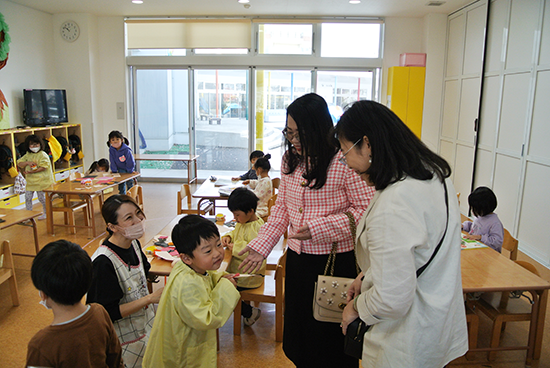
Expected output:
(306, 341)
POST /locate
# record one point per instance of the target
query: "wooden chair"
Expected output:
(510, 244)
(272, 291)
(136, 192)
(194, 207)
(69, 207)
(275, 182)
(504, 309)
(7, 271)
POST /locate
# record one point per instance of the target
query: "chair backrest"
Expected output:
(510, 244)
(458, 197)
(136, 192)
(275, 182)
(528, 266)
(270, 203)
(281, 266)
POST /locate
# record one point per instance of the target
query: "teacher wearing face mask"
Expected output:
(119, 280)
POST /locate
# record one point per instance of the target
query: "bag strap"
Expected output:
(332, 256)
(421, 269)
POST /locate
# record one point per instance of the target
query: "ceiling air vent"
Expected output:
(435, 3)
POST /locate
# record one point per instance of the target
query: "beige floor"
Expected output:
(255, 347)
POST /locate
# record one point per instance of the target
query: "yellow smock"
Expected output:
(40, 180)
(191, 308)
(240, 237)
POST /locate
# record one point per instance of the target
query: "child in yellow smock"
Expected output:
(197, 300)
(37, 168)
(242, 203)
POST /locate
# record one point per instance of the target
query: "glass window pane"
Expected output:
(221, 51)
(340, 89)
(350, 40)
(221, 122)
(286, 39)
(275, 90)
(162, 119)
(157, 52)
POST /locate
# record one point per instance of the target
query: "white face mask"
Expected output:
(134, 232)
(35, 149)
(42, 301)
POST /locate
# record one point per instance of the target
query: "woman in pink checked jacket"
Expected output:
(315, 192)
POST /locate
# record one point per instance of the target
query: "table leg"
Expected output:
(92, 212)
(532, 327)
(35, 233)
(49, 212)
(543, 300)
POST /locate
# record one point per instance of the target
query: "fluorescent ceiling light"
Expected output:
(355, 2)
(244, 1)
(137, 1)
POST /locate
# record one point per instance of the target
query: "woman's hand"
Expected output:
(348, 316)
(253, 262)
(155, 296)
(303, 233)
(355, 288)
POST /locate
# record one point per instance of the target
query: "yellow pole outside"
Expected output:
(260, 97)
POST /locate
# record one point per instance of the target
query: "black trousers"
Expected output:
(306, 341)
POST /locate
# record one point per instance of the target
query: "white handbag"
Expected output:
(329, 298)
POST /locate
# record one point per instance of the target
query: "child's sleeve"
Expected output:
(466, 226)
(252, 183)
(494, 237)
(204, 309)
(44, 161)
(130, 162)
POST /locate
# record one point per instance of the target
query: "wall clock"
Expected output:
(70, 31)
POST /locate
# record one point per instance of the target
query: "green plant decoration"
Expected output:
(5, 43)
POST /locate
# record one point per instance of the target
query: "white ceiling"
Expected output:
(379, 8)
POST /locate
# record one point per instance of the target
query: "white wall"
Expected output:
(31, 58)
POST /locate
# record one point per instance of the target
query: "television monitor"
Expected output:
(45, 107)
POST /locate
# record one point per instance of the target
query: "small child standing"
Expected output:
(37, 167)
(250, 174)
(242, 203)
(101, 165)
(486, 227)
(263, 187)
(121, 157)
(197, 299)
(80, 335)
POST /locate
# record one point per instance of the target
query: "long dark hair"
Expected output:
(314, 125)
(395, 149)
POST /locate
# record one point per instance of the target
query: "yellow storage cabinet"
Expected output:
(406, 95)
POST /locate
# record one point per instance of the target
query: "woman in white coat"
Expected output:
(417, 321)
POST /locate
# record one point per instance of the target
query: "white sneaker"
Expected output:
(256, 313)
(41, 217)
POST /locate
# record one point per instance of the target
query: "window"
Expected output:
(285, 39)
(350, 40)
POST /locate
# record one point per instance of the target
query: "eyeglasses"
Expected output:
(290, 136)
(343, 158)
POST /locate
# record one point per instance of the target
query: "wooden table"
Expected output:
(76, 188)
(485, 270)
(186, 159)
(210, 190)
(17, 217)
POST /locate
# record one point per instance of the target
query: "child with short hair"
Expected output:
(80, 335)
(101, 165)
(37, 168)
(250, 174)
(263, 187)
(486, 227)
(242, 203)
(197, 300)
(121, 157)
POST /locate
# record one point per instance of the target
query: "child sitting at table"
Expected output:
(250, 174)
(101, 165)
(242, 203)
(197, 300)
(263, 187)
(80, 335)
(486, 227)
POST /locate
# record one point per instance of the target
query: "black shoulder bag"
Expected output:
(353, 342)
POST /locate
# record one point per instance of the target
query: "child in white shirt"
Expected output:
(262, 187)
